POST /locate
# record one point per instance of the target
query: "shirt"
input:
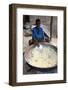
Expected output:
(37, 34)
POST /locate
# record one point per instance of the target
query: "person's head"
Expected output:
(37, 22)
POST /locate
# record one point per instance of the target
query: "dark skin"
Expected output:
(36, 42)
(38, 24)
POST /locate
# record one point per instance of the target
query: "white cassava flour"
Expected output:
(42, 57)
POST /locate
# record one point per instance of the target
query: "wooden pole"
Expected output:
(51, 22)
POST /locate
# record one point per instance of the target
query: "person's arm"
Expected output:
(33, 35)
(46, 37)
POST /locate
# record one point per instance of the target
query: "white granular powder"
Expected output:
(42, 57)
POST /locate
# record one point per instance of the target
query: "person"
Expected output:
(38, 35)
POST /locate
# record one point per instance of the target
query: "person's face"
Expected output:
(38, 23)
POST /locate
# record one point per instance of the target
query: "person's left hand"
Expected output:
(36, 42)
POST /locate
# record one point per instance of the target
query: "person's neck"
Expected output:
(38, 27)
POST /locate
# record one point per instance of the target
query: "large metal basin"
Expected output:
(27, 51)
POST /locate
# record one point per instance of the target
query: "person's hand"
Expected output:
(36, 42)
(47, 40)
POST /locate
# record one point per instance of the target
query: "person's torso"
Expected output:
(38, 33)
